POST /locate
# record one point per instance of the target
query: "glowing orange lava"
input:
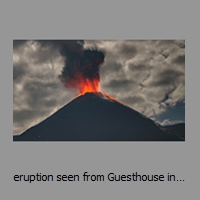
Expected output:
(87, 85)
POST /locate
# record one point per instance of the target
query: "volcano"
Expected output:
(97, 117)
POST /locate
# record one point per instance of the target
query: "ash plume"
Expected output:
(81, 65)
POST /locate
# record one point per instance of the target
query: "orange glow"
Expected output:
(87, 85)
(110, 97)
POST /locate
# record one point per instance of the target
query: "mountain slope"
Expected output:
(96, 117)
(178, 129)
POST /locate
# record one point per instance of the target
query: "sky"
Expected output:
(146, 75)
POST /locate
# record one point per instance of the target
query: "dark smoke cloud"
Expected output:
(80, 64)
(18, 43)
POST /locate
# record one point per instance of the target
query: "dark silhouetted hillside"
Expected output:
(177, 129)
(96, 117)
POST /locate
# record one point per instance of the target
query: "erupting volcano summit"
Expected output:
(81, 69)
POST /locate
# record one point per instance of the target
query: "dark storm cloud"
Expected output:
(50, 103)
(19, 70)
(126, 50)
(45, 54)
(164, 53)
(137, 67)
(119, 84)
(132, 100)
(111, 68)
(18, 43)
(37, 90)
(25, 115)
(166, 77)
(179, 60)
(182, 46)
(164, 42)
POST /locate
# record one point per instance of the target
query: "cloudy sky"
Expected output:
(147, 75)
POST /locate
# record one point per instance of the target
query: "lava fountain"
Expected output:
(81, 69)
(87, 85)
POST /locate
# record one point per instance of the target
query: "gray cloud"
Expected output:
(119, 84)
(126, 50)
(180, 60)
(19, 70)
(18, 43)
(166, 77)
(133, 99)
